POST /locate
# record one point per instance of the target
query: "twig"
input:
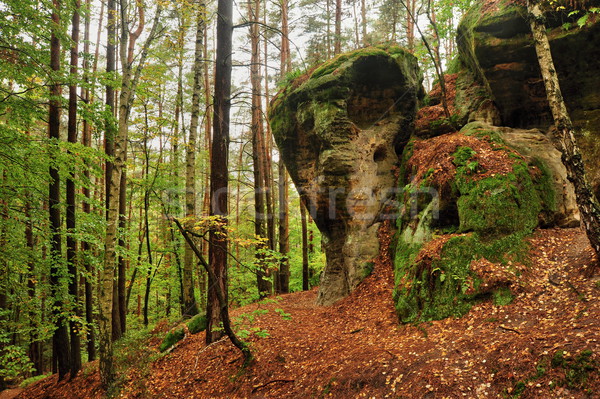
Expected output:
(256, 388)
(509, 329)
(355, 331)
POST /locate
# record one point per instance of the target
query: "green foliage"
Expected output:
(171, 339)
(13, 363)
(283, 314)
(32, 380)
(197, 324)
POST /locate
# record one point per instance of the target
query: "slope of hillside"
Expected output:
(544, 344)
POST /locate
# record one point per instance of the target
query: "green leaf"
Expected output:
(583, 20)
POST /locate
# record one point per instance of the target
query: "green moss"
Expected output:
(496, 205)
(577, 369)
(503, 297)
(171, 339)
(197, 323)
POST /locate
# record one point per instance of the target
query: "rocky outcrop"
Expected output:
(469, 202)
(495, 45)
(339, 130)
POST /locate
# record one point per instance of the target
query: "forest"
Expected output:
(311, 198)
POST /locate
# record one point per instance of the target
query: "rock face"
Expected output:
(495, 45)
(339, 130)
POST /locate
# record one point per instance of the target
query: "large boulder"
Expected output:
(339, 129)
(495, 45)
(469, 203)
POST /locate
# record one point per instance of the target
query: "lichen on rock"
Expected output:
(339, 129)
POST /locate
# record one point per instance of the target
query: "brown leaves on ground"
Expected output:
(434, 158)
(357, 349)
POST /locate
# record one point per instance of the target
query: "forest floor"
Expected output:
(545, 344)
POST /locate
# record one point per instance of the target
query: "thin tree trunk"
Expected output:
(86, 141)
(35, 345)
(305, 270)
(106, 283)
(258, 154)
(363, 21)
(189, 299)
(571, 154)
(338, 28)
(284, 245)
(410, 24)
(70, 197)
(60, 338)
(222, 300)
(217, 284)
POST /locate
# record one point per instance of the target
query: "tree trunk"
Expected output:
(222, 300)
(86, 141)
(410, 26)
(338, 28)
(121, 307)
(189, 299)
(71, 202)
(258, 153)
(571, 155)
(284, 245)
(60, 338)
(105, 295)
(217, 283)
(305, 270)
(363, 20)
(284, 230)
(35, 345)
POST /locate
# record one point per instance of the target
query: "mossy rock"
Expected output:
(171, 339)
(197, 324)
(340, 129)
(442, 269)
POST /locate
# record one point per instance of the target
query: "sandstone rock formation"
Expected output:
(339, 130)
(495, 45)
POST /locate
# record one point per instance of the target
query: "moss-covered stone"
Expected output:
(171, 339)
(338, 129)
(438, 274)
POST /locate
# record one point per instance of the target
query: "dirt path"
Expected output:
(357, 349)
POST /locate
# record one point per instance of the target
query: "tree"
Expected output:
(71, 201)
(105, 297)
(60, 338)
(337, 47)
(284, 229)
(571, 155)
(189, 300)
(129, 81)
(258, 151)
(219, 175)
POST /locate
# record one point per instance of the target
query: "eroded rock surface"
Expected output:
(339, 130)
(495, 45)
